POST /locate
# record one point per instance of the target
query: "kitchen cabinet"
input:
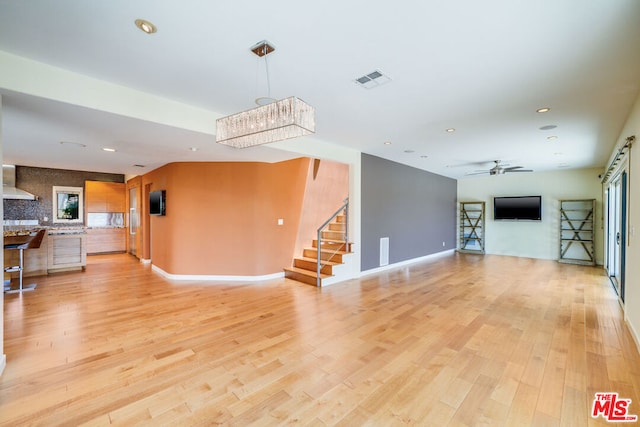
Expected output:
(67, 252)
(105, 240)
(105, 196)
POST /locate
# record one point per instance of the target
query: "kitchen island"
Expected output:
(62, 249)
(67, 250)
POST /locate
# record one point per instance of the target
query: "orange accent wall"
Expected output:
(221, 217)
(326, 188)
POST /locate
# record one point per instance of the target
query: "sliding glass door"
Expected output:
(616, 197)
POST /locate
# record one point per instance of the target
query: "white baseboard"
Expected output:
(407, 262)
(209, 278)
(145, 261)
(333, 280)
(3, 363)
(634, 333)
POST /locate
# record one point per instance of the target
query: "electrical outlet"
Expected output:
(280, 221)
(443, 244)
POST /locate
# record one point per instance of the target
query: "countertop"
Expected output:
(26, 230)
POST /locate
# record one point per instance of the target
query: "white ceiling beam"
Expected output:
(38, 79)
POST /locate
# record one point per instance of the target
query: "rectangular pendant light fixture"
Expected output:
(284, 119)
(271, 121)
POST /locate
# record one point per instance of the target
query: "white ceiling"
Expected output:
(482, 68)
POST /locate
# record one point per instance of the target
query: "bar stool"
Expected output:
(33, 243)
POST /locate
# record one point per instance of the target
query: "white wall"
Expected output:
(3, 357)
(632, 270)
(533, 239)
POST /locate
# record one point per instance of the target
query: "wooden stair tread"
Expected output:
(304, 268)
(329, 251)
(337, 241)
(324, 262)
(306, 272)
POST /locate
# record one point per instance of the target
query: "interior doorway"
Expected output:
(134, 205)
(134, 221)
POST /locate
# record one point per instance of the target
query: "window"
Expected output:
(67, 205)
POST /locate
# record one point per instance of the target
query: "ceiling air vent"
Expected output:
(374, 79)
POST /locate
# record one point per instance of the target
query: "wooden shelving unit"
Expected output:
(471, 227)
(576, 231)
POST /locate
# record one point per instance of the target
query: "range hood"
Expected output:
(9, 190)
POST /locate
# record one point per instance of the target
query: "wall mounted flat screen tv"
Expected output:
(527, 208)
(157, 202)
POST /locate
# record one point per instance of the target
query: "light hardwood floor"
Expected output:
(462, 340)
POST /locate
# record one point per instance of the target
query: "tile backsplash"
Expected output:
(106, 219)
(12, 222)
(40, 181)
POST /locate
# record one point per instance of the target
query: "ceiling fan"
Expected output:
(500, 169)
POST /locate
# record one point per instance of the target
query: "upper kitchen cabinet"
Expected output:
(105, 196)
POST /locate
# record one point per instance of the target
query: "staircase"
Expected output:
(333, 250)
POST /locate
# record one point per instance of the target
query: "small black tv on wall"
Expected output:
(527, 208)
(157, 202)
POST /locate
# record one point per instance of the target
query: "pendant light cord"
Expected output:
(266, 64)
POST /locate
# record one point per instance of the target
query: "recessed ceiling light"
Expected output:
(563, 165)
(558, 154)
(543, 110)
(451, 130)
(552, 137)
(387, 143)
(139, 166)
(74, 144)
(146, 26)
(110, 150)
(548, 127)
(423, 157)
(409, 151)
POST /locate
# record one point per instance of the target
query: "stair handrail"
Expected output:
(344, 207)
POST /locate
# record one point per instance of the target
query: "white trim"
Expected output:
(333, 280)
(407, 262)
(205, 277)
(57, 189)
(634, 333)
(3, 363)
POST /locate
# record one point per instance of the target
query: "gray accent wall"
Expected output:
(414, 208)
